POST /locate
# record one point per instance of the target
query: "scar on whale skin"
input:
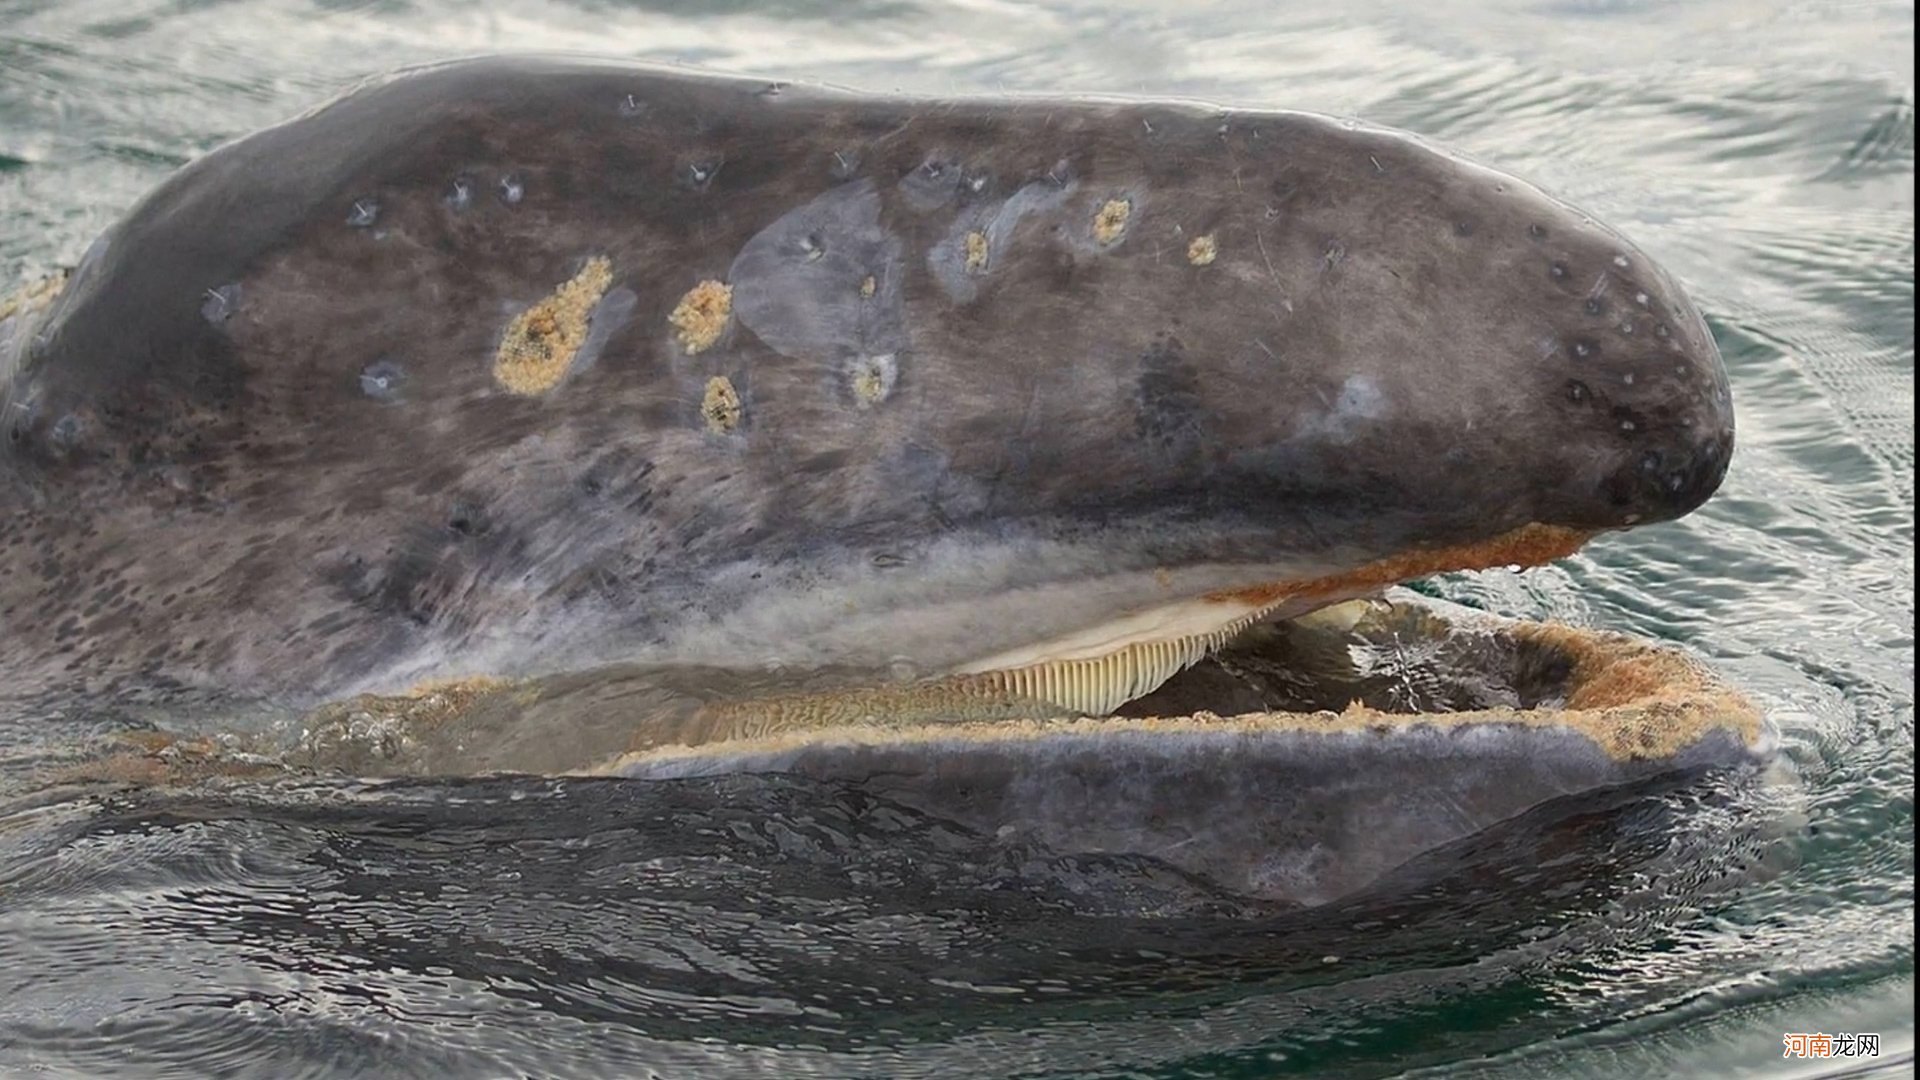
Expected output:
(1203, 250)
(721, 407)
(541, 342)
(701, 315)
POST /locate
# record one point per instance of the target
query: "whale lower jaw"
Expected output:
(1397, 728)
(1254, 805)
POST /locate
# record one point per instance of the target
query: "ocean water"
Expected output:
(766, 927)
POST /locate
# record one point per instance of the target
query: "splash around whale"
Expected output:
(664, 422)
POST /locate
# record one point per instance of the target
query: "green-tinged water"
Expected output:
(768, 927)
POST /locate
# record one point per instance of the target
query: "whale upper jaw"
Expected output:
(482, 370)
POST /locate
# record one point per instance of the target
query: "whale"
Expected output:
(787, 409)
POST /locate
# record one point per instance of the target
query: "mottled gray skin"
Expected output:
(1306, 818)
(256, 446)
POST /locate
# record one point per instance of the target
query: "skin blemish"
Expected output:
(1360, 400)
(512, 190)
(220, 304)
(460, 194)
(66, 432)
(873, 379)
(383, 380)
(976, 252)
(363, 214)
(1203, 250)
(540, 342)
(868, 286)
(1110, 221)
(701, 316)
(721, 408)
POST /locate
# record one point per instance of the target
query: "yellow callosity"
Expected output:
(1110, 222)
(701, 315)
(541, 342)
(873, 380)
(721, 407)
(976, 252)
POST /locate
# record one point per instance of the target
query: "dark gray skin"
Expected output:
(256, 448)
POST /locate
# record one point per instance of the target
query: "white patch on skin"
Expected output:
(1360, 400)
(872, 379)
(801, 284)
(948, 260)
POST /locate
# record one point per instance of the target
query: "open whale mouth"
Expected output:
(1398, 662)
(1301, 760)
